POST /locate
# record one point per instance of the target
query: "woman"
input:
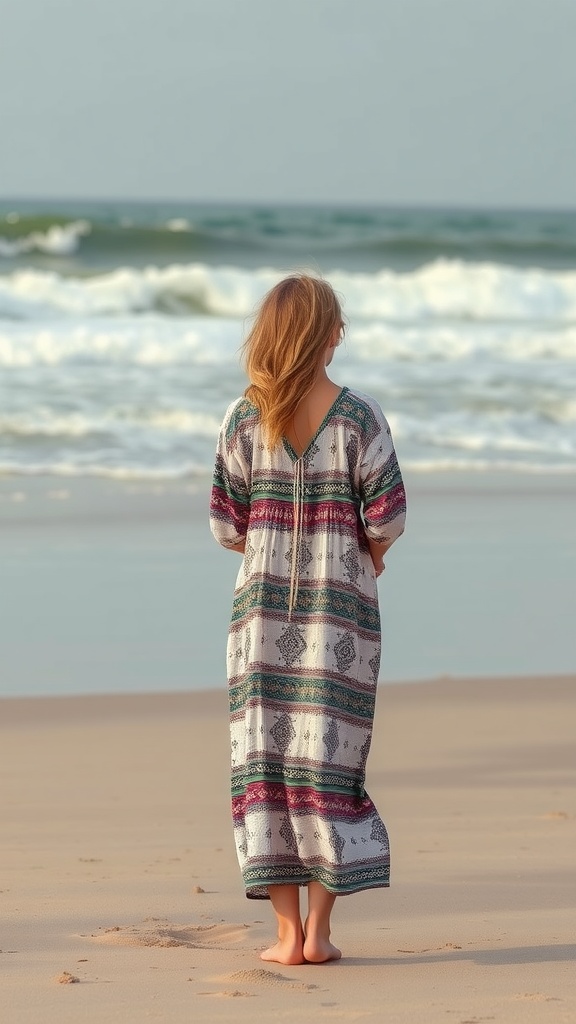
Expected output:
(307, 488)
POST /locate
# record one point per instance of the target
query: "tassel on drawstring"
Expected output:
(297, 532)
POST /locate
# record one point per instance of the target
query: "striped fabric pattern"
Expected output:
(302, 684)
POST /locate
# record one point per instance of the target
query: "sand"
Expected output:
(121, 898)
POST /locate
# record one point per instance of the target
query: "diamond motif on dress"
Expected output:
(283, 732)
(246, 447)
(337, 843)
(247, 645)
(291, 644)
(352, 452)
(331, 739)
(304, 556)
(345, 652)
(375, 665)
(352, 567)
(249, 553)
(287, 833)
(379, 833)
(309, 456)
(365, 750)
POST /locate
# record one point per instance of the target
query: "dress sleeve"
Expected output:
(381, 487)
(230, 497)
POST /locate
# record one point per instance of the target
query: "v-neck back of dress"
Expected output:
(289, 447)
(298, 497)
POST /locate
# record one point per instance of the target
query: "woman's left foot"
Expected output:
(320, 951)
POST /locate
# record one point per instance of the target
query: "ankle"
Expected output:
(317, 926)
(290, 932)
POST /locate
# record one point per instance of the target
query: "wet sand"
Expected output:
(118, 586)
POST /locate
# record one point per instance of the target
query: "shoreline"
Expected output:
(123, 588)
(107, 704)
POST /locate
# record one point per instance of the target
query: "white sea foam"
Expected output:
(442, 290)
(153, 340)
(183, 421)
(58, 240)
(178, 224)
(45, 423)
(512, 432)
(29, 294)
(455, 342)
(455, 290)
(190, 470)
(448, 465)
(175, 471)
(149, 340)
(91, 388)
(496, 431)
(122, 421)
(136, 440)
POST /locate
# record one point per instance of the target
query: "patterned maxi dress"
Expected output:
(304, 642)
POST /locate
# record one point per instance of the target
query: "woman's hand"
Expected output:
(377, 552)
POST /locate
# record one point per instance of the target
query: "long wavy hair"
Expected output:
(292, 329)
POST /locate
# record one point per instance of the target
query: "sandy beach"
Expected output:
(118, 866)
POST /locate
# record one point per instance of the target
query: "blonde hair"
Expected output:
(293, 327)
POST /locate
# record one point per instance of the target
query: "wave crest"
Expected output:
(57, 240)
(441, 290)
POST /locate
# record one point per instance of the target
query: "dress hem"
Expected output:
(257, 892)
(257, 888)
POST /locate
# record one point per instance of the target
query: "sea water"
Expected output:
(120, 329)
(121, 323)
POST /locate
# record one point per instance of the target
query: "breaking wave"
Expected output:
(441, 290)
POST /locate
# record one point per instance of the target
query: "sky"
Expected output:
(408, 102)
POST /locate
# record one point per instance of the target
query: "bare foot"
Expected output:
(287, 951)
(320, 951)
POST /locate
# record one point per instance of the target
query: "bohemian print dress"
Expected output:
(304, 642)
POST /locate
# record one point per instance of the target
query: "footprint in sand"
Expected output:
(234, 994)
(537, 997)
(260, 976)
(162, 933)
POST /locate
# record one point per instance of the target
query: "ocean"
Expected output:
(120, 328)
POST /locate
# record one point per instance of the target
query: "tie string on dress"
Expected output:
(297, 532)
